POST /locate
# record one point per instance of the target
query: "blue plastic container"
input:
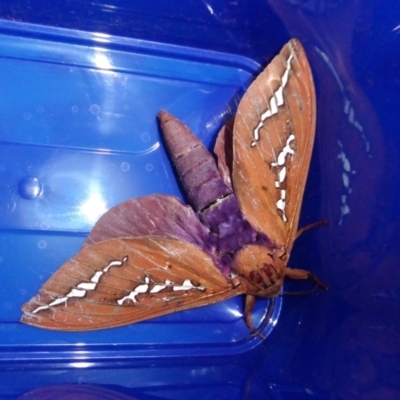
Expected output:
(81, 84)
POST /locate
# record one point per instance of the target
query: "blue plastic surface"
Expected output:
(78, 134)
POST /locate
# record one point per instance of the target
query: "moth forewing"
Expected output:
(272, 150)
(254, 185)
(302, 108)
(259, 134)
(128, 280)
(223, 149)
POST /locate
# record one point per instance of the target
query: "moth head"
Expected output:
(261, 271)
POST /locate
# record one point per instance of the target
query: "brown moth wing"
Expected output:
(223, 149)
(121, 281)
(153, 215)
(275, 122)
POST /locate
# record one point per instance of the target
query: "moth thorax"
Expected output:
(259, 270)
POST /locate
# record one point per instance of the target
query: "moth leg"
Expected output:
(295, 273)
(250, 301)
(308, 227)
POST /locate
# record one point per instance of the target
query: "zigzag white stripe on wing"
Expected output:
(82, 288)
(275, 101)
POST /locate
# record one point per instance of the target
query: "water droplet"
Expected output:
(1, 260)
(8, 306)
(149, 167)
(125, 166)
(2, 167)
(44, 226)
(126, 106)
(94, 109)
(27, 115)
(40, 110)
(42, 244)
(74, 109)
(346, 181)
(145, 136)
(30, 187)
(23, 291)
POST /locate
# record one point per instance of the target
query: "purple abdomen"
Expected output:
(211, 198)
(194, 164)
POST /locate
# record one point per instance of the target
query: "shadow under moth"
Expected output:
(154, 255)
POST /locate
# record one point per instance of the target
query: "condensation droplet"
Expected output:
(125, 166)
(1, 260)
(30, 187)
(42, 244)
(27, 115)
(145, 136)
(126, 106)
(29, 168)
(2, 167)
(94, 109)
(40, 110)
(149, 167)
(23, 291)
(74, 109)
(44, 226)
(8, 306)
(346, 181)
(345, 209)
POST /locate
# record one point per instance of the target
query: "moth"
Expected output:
(155, 255)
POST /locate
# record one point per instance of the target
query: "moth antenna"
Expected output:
(310, 226)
